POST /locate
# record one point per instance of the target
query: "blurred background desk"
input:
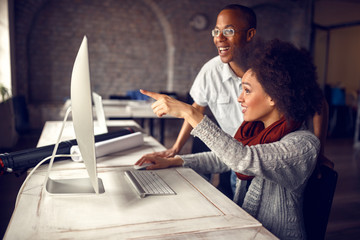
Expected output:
(116, 109)
(198, 210)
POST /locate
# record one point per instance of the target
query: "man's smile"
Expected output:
(223, 49)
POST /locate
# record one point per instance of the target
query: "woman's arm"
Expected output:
(288, 161)
(204, 162)
(168, 105)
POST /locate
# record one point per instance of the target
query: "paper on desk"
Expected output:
(110, 146)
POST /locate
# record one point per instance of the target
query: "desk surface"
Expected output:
(128, 109)
(52, 129)
(197, 211)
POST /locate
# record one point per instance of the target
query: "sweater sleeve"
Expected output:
(205, 162)
(288, 162)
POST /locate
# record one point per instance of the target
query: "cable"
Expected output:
(53, 155)
(32, 172)
(57, 144)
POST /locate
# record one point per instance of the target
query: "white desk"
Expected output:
(198, 211)
(129, 109)
(52, 129)
(115, 108)
(135, 109)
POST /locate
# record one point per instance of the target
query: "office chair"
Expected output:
(318, 197)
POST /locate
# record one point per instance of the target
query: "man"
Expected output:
(218, 83)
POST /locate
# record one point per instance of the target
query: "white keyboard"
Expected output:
(148, 183)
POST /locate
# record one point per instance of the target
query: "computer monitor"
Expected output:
(82, 117)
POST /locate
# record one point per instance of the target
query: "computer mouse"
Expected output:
(145, 165)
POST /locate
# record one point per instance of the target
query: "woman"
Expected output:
(272, 146)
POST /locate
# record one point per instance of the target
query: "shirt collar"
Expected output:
(228, 73)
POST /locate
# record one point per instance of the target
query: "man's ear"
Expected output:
(250, 34)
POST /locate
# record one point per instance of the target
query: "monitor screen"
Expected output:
(81, 110)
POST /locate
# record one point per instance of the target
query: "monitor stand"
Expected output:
(72, 185)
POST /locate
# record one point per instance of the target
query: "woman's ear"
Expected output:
(250, 34)
(271, 101)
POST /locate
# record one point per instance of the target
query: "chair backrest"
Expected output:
(318, 198)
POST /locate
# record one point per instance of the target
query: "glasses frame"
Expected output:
(225, 34)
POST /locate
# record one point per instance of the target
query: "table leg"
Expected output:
(151, 126)
(162, 128)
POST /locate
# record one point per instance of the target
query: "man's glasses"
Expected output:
(227, 32)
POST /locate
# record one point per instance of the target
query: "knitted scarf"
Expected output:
(252, 133)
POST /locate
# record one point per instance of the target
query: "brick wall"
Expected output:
(129, 43)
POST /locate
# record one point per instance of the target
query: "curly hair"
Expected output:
(288, 75)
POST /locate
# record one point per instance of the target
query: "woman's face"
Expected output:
(256, 104)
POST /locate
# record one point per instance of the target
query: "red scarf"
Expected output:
(252, 133)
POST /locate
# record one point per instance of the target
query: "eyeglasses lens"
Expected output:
(228, 32)
(215, 32)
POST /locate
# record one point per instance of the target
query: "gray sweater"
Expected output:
(281, 170)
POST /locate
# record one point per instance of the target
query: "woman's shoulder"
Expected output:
(302, 137)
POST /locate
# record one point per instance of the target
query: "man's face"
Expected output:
(228, 46)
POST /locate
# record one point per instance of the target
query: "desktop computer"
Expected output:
(82, 117)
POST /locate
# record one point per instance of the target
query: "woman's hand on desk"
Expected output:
(168, 105)
(166, 153)
(160, 162)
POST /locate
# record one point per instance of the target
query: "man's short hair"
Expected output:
(248, 14)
